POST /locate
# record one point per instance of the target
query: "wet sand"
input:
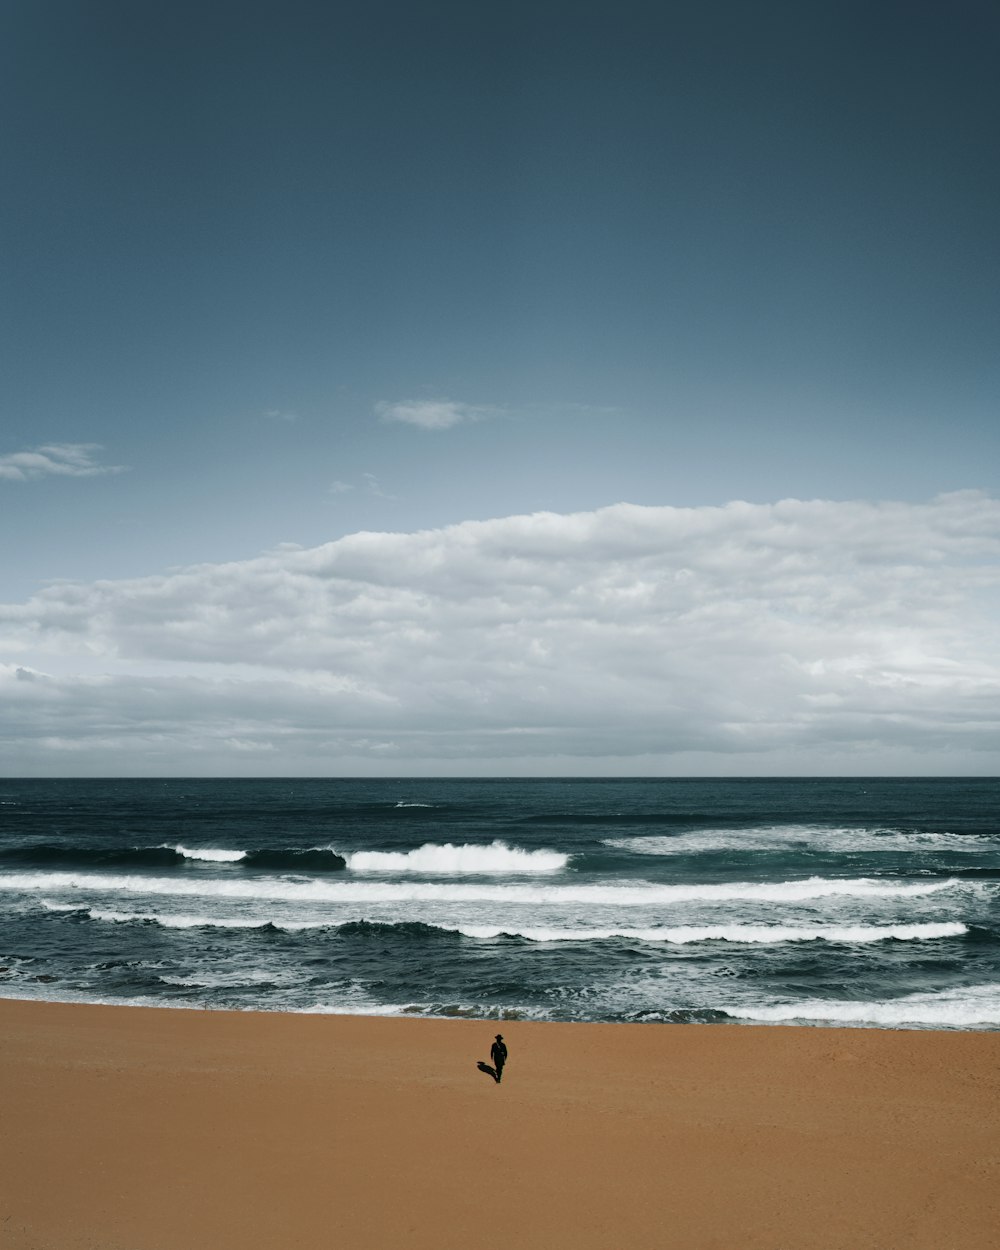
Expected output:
(153, 1129)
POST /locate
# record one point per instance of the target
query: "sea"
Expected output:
(836, 901)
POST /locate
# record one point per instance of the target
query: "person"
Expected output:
(498, 1053)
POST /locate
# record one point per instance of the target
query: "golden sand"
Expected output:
(129, 1128)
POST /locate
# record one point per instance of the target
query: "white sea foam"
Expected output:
(171, 920)
(966, 1007)
(414, 804)
(743, 933)
(433, 857)
(680, 935)
(839, 840)
(638, 895)
(213, 855)
(194, 982)
(354, 1004)
(351, 1009)
(60, 994)
(232, 978)
(174, 922)
(168, 921)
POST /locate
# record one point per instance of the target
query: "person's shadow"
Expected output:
(485, 1067)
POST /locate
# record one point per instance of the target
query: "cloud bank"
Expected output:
(783, 638)
(55, 460)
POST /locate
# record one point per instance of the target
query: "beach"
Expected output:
(128, 1128)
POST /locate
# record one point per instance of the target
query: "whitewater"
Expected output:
(869, 902)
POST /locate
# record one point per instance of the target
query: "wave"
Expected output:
(967, 1007)
(253, 978)
(212, 855)
(469, 858)
(173, 920)
(613, 818)
(93, 857)
(170, 920)
(640, 895)
(354, 1006)
(740, 933)
(496, 857)
(167, 921)
(312, 859)
(680, 935)
(361, 1009)
(833, 840)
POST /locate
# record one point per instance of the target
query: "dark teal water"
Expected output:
(861, 901)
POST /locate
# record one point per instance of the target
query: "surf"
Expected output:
(642, 895)
(850, 840)
(468, 858)
(973, 1006)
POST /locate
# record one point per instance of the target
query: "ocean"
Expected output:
(853, 901)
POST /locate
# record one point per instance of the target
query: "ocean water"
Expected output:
(821, 901)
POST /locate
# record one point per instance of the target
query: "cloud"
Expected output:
(374, 487)
(788, 637)
(431, 414)
(55, 460)
(371, 484)
(280, 414)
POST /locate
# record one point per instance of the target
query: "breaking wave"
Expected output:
(92, 857)
(833, 840)
(680, 935)
(385, 891)
(497, 857)
(969, 1007)
(311, 859)
(212, 855)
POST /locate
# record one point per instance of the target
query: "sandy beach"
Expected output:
(155, 1129)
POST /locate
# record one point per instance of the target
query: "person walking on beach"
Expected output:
(498, 1053)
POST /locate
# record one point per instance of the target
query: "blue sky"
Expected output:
(279, 274)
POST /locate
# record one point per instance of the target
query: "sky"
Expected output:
(458, 389)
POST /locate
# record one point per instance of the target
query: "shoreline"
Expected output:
(401, 1013)
(157, 1128)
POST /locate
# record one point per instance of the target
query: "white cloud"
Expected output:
(55, 460)
(431, 414)
(375, 487)
(796, 636)
(280, 414)
(369, 481)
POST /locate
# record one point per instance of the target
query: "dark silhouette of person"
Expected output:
(498, 1053)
